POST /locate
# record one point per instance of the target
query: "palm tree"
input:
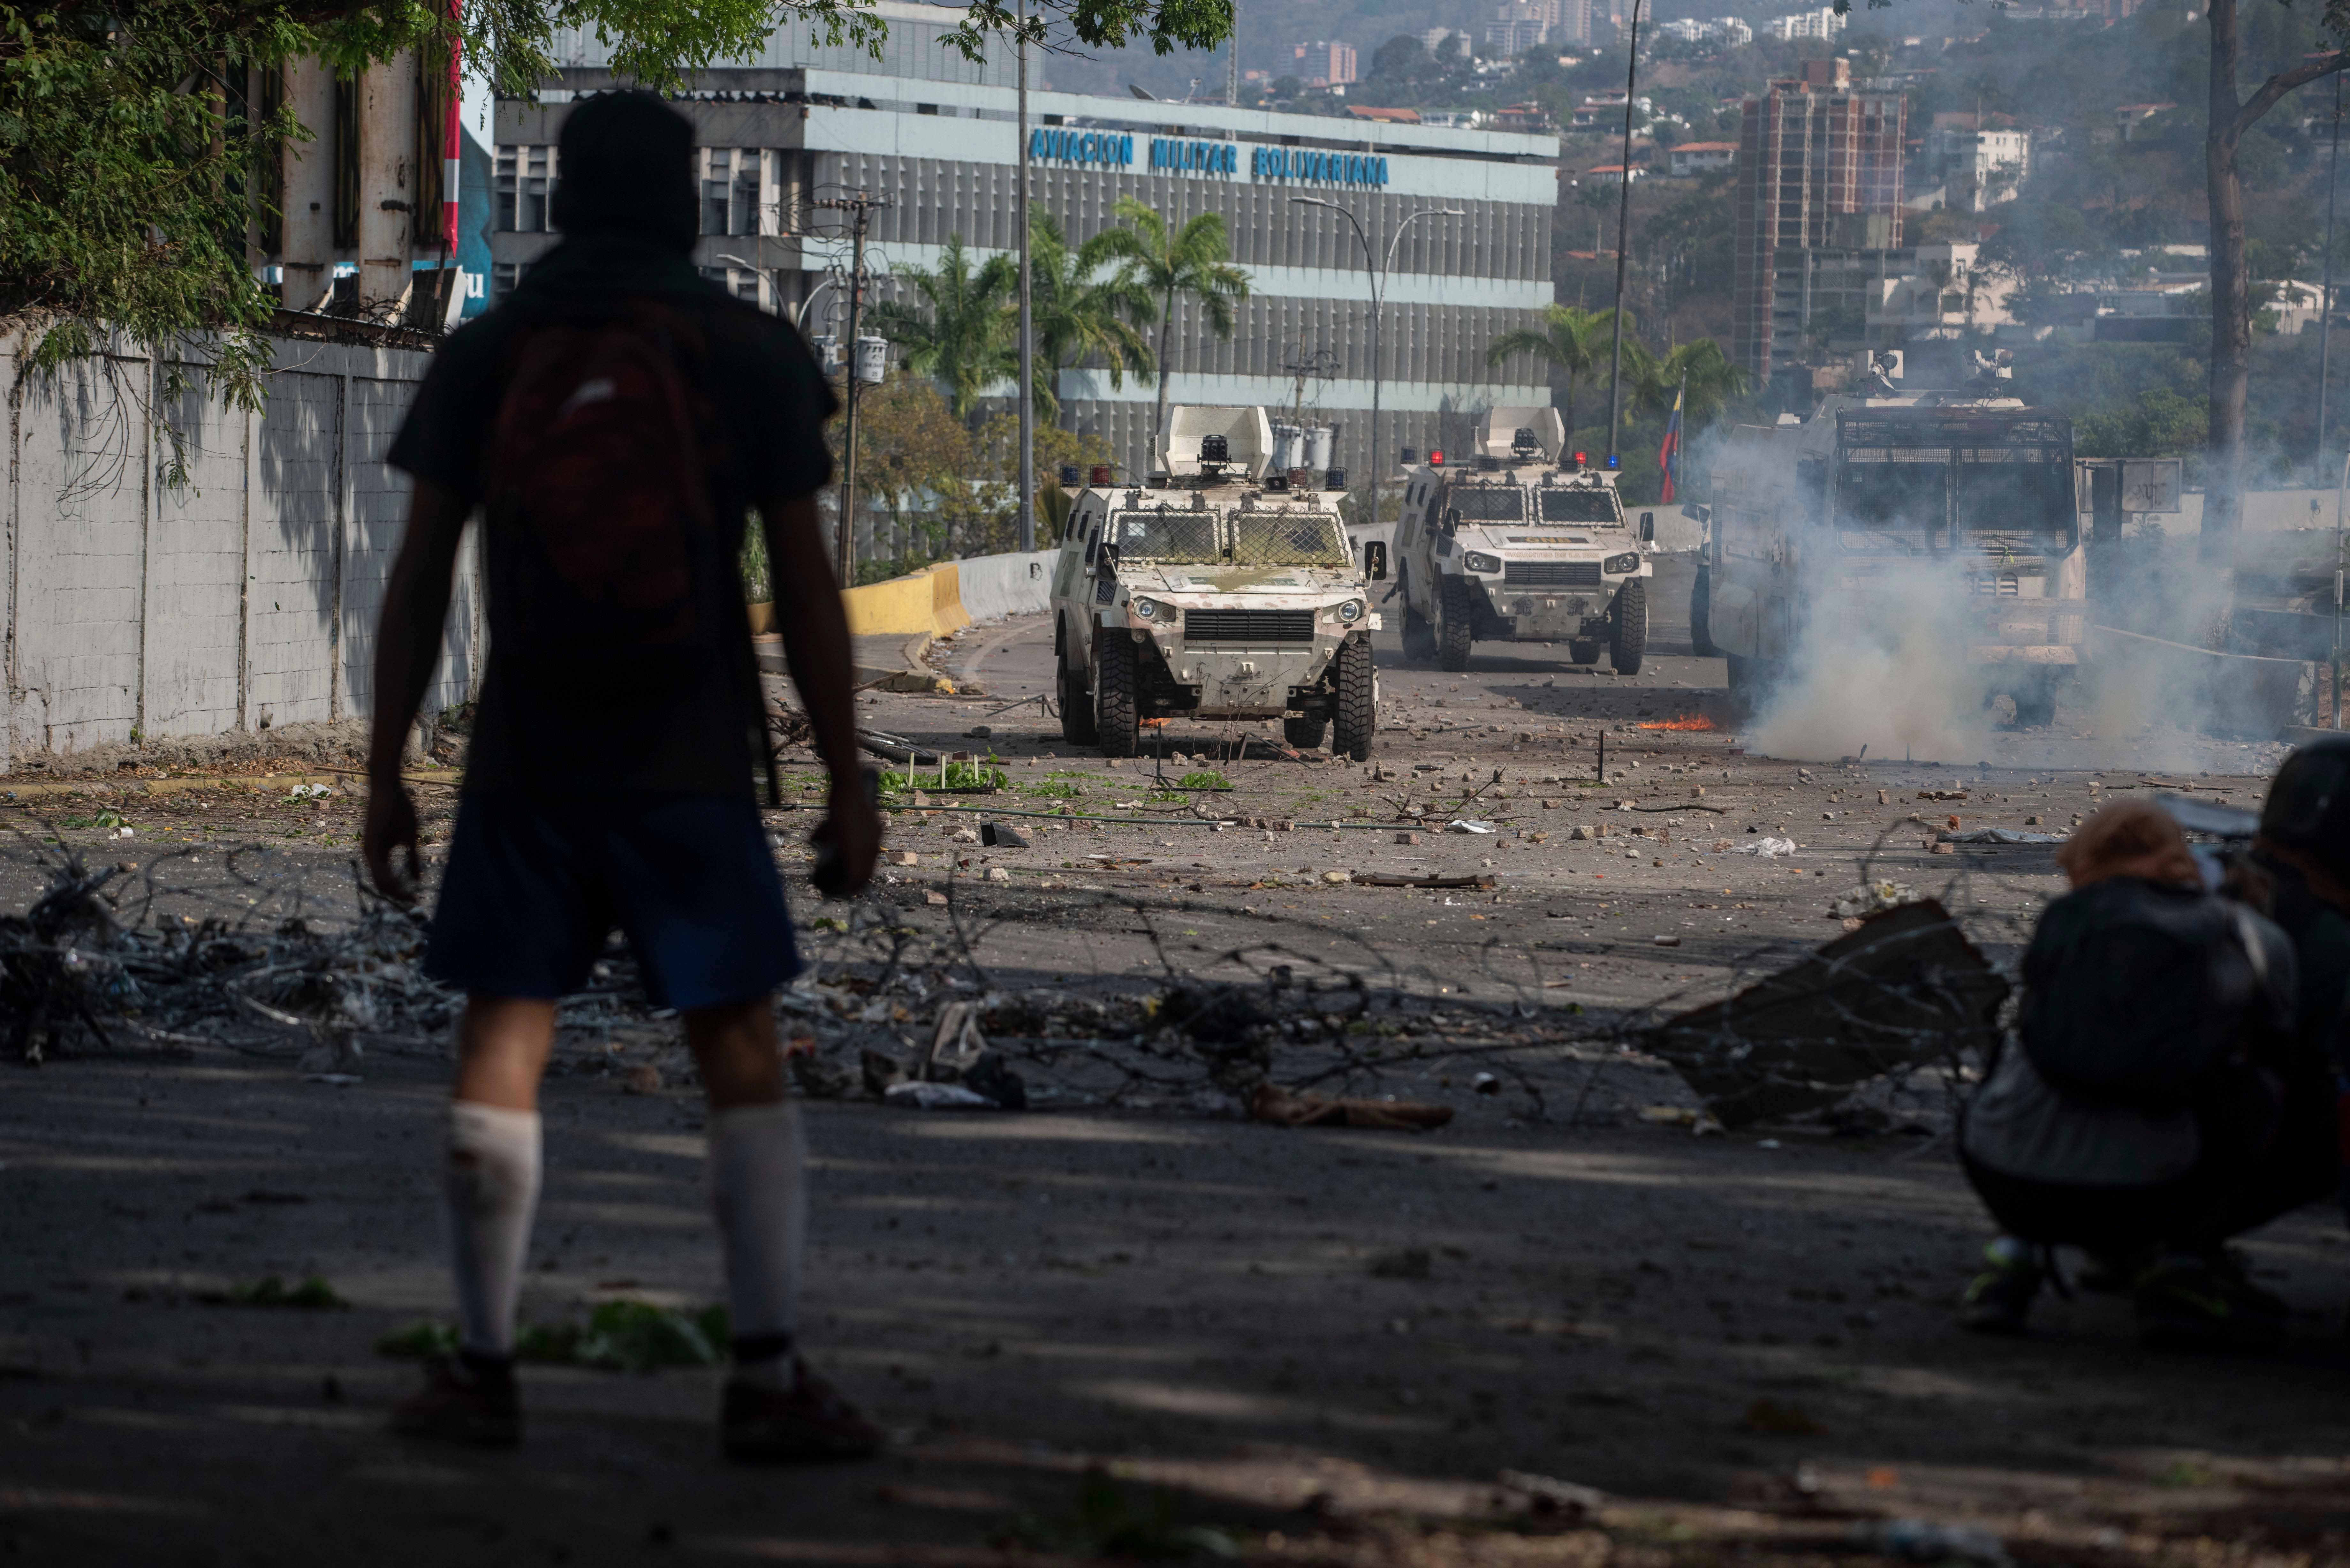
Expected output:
(1704, 378)
(1195, 260)
(1571, 340)
(962, 340)
(1077, 316)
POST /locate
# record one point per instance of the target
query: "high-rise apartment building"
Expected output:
(1819, 167)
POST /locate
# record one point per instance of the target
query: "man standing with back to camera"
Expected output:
(614, 418)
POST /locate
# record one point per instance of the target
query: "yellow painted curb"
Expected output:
(930, 600)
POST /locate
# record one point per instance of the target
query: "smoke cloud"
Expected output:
(1887, 674)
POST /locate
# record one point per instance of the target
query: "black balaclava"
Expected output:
(627, 165)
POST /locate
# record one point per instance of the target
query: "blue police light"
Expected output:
(1615, 461)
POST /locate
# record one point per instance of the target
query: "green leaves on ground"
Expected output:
(1106, 1524)
(618, 1337)
(1205, 779)
(958, 775)
(313, 1294)
(106, 817)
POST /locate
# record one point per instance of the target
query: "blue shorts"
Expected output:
(535, 888)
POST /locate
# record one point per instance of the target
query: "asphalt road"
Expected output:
(1328, 1343)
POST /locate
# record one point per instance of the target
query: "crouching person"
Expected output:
(2155, 1100)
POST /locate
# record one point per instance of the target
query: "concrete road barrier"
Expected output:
(951, 595)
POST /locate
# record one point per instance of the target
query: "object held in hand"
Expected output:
(831, 875)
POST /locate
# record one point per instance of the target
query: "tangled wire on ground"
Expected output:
(252, 954)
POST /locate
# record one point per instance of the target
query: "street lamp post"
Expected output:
(1376, 269)
(800, 320)
(1623, 227)
(1027, 325)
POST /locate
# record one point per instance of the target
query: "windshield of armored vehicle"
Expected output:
(1289, 539)
(1576, 506)
(1488, 503)
(2009, 477)
(1165, 533)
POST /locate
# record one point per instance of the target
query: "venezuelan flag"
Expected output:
(1669, 455)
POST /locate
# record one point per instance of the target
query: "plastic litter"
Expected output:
(1873, 898)
(1927, 1541)
(938, 1097)
(1768, 847)
(1462, 825)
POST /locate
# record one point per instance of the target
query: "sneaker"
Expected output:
(465, 1399)
(1999, 1300)
(2193, 1301)
(806, 1421)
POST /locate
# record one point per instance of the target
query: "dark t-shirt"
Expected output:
(678, 718)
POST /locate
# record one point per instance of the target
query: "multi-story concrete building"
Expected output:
(935, 136)
(1976, 166)
(1819, 168)
(1692, 158)
(1823, 23)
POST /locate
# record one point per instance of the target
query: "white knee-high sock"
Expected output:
(493, 1188)
(758, 1191)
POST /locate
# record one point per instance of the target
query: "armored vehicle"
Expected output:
(1522, 543)
(1832, 526)
(1215, 590)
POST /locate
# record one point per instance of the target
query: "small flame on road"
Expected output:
(1686, 722)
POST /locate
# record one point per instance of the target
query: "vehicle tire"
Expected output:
(1631, 639)
(1117, 695)
(1583, 653)
(1454, 626)
(1304, 732)
(1076, 709)
(1356, 710)
(1701, 615)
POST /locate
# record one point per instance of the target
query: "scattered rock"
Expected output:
(1410, 1263)
(1003, 835)
(1778, 1420)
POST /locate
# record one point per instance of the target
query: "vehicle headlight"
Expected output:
(1351, 611)
(1478, 561)
(1147, 609)
(1616, 565)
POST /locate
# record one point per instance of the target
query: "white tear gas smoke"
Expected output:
(1886, 669)
(1885, 673)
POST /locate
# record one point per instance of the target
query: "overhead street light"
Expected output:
(1376, 268)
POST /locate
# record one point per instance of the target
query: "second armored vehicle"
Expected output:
(1523, 543)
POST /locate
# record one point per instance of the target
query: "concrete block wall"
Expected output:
(177, 566)
(996, 586)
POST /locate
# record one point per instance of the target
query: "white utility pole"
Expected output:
(1027, 321)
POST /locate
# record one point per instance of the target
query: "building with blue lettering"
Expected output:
(938, 136)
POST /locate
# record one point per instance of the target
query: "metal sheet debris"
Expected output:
(1906, 988)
